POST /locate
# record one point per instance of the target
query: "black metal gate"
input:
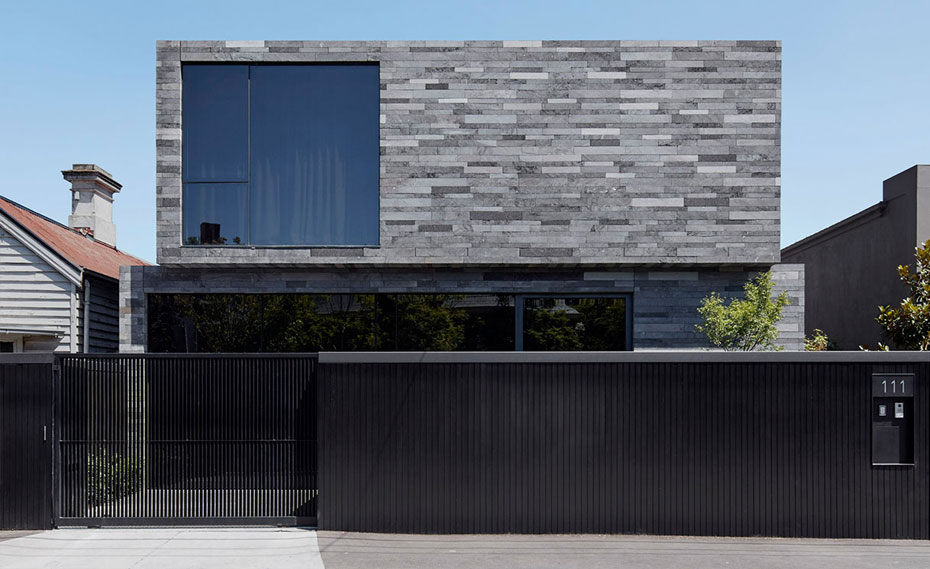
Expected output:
(176, 439)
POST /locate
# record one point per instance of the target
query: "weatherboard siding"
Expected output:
(34, 296)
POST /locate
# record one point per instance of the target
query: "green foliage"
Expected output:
(744, 324)
(430, 322)
(303, 323)
(550, 330)
(110, 476)
(818, 342)
(579, 323)
(225, 322)
(908, 325)
(311, 323)
(603, 323)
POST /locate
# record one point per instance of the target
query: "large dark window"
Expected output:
(216, 123)
(386, 322)
(280, 155)
(573, 323)
(329, 322)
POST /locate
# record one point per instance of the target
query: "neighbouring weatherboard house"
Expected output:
(479, 195)
(851, 267)
(59, 284)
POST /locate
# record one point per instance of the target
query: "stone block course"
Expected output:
(626, 152)
(664, 302)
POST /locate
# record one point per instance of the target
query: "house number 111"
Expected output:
(892, 385)
(895, 383)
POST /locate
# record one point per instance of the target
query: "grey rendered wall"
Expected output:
(664, 302)
(851, 267)
(536, 152)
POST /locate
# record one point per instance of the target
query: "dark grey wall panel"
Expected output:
(780, 449)
(104, 315)
(25, 444)
(851, 266)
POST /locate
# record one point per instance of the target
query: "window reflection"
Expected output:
(215, 119)
(303, 139)
(382, 322)
(446, 322)
(574, 323)
(315, 163)
(329, 322)
(215, 214)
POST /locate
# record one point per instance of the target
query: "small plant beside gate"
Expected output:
(110, 476)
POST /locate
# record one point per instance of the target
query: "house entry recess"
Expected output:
(187, 440)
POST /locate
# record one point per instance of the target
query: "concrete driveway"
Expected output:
(284, 548)
(161, 548)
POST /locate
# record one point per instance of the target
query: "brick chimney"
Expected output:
(92, 190)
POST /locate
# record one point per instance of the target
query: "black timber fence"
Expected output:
(26, 449)
(783, 444)
(697, 444)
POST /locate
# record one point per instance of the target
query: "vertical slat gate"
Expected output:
(160, 440)
(25, 443)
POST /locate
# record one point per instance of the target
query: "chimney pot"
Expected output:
(92, 191)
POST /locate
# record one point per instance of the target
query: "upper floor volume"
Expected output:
(469, 154)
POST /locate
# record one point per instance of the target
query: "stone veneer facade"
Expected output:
(530, 166)
(664, 302)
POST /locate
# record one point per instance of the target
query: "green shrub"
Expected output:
(908, 325)
(818, 342)
(744, 324)
(110, 476)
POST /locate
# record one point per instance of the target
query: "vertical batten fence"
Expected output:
(690, 444)
(693, 444)
(26, 427)
(151, 439)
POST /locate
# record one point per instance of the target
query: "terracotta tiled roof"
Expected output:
(72, 245)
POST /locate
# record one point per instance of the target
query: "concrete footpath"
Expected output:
(163, 548)
(285, 548)
(354, 550)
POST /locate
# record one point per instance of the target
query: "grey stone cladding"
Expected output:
(555, 153)
(664, 302)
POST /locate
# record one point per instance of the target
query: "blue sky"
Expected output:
(78, 82)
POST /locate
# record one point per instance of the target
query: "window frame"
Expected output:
(518, 306)
(16, 340)
(249, 244)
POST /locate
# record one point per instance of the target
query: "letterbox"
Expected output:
(892, 419)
